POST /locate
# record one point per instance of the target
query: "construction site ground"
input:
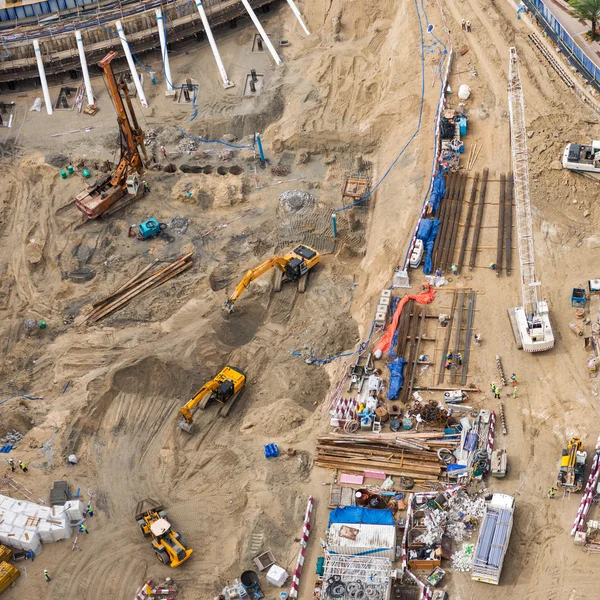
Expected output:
(340, 102)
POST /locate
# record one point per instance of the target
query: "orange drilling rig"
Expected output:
(111, 192)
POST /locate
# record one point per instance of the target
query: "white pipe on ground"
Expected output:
(40, 64)
(84, 68)
(129, 56)
(213, 45)
(296, 11)
(163, 49)
(262, 32)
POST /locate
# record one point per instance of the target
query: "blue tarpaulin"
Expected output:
(360, 514)
(437, 192)
(396, 368)
(394, 306)
(428, 230)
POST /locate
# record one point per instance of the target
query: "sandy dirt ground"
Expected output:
(338, 102)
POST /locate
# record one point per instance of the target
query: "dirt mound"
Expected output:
(15, 417)
(276, 419)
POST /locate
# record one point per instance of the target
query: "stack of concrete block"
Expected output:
(26, 525)
(383, 308)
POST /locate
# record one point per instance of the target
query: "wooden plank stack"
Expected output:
(138, 284)
(400, 454)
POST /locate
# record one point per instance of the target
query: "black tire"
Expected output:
(141, 525)
(180, 539)
(163, 557)
(277, 280)
(139, 236)
(163, 515)
(162, 226)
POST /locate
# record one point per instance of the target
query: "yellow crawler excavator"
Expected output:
(225, 388)
(294, 266)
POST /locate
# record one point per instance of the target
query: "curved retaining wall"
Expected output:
(96, 23)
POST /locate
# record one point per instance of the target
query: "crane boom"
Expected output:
(520, 163)
(531, 321)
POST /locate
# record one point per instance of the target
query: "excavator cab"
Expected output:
(295, 269)
(225, 391)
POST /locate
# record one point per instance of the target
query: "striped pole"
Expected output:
(303, 543)
(491, 438)
(590, 488)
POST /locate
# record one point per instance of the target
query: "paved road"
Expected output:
(577, 29)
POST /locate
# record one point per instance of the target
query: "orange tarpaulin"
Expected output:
(424, 297)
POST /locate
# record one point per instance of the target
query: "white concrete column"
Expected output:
(134, 73)
(40, 64)
(296, 11)
(262, 32)
(213, 45)
(84, 68)
(163, 49)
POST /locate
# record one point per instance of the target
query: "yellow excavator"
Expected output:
(225, 388)
(169, 545)
(572, 466)
(294, 266)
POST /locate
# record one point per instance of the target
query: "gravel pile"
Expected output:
(297, 201)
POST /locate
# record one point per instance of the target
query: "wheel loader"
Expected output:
(572, 466)
(169, 546)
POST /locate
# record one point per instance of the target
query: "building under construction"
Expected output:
(55, 24)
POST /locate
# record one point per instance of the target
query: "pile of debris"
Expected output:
(405, 454)
(462, 560)
(164, 591)
(12, 438)
(188, 146)
(297, 201)
(150, 137)
(138, 284)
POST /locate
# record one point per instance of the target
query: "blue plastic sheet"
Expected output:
(438, 191)
(394, 306)
(361, 514)
(428, 230)
(396, 368)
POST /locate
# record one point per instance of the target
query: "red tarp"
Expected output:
(424, 297)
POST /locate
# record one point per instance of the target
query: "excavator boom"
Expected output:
(293, 266)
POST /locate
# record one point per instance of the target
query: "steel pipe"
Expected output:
(163, 50)
(40, 64)
(129, 56)
(84, 68)
(262, 32)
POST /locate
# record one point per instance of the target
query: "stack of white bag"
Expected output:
(25, 525)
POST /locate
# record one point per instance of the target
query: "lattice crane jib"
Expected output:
(520, 163)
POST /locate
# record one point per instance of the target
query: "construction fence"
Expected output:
(574, 54)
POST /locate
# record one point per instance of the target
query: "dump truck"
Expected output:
(169, 545)
(494, 536)
(572, 466)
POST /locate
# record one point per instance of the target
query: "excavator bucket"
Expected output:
(185, 426)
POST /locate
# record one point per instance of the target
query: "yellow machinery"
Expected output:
(225, 388)
(294, 266)
(572, 466)
(169, 546)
